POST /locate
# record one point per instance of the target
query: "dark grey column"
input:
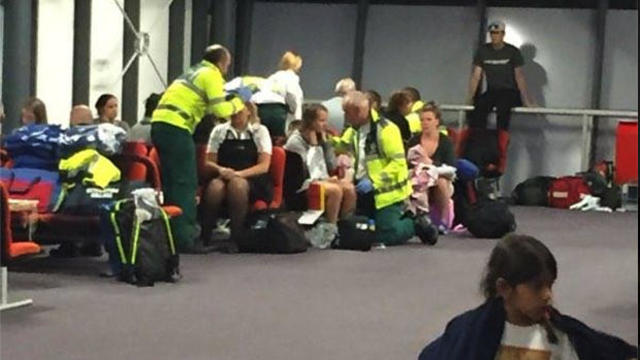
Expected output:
(81, 51)
(244, 15)
(18, 75)
(199, 29)
(358, 49)
(481, 12)
(176, 39)
(223, 25)
(129, 99)
(596, 86)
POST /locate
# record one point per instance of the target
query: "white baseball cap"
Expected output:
(496, 26)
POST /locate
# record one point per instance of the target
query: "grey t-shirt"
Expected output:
(498, 65)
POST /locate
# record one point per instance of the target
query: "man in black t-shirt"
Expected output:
(501, 63)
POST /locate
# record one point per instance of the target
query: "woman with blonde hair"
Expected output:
(254, 118)
(282, 103)
(239, 152)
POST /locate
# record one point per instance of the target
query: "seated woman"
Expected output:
(434, 149)
(374, 99)
(33, 112)
(107, 108)
(398, 108)
(319, 160)
(239, 153)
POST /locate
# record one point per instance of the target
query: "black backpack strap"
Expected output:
(116, 230)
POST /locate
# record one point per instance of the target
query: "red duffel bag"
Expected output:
(566, 191)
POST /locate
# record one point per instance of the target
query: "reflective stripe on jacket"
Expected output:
(198, 92)
(385, 159)
(99, 170)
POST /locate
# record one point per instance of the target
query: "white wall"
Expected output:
(559, 75)
(620, 75)
(54, 71)
(427, 47)
(154, 19)
(55, 53)
(188, 9)
(322, 34)
(106, 51)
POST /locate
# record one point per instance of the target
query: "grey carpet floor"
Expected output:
(384, 304)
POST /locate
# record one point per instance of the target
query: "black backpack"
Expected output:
(145, 250)
(354, 233)
(600, 182)
(272, 232)
(532, 192)
(489, 219)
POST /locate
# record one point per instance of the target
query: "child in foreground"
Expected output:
(518, 321)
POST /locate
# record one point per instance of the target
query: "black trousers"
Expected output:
(503, 100)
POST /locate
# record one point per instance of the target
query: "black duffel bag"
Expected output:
(272, 233)
(533, 192)
(489, 219)
(354, 233)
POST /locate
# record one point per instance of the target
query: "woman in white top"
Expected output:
(240, 153)
(107, 108)
(281, 104)
(318, 159)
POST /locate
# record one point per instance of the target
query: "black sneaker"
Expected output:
(425, 230)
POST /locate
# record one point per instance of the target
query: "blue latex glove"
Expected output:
(364, 186)
(244, 93)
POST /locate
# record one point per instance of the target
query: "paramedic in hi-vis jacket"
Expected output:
(381, 174)
(196, 93)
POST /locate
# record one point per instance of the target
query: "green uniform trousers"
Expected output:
(179, 178)
(392, 226)
(274, 117)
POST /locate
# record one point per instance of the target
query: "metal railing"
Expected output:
(586, 114)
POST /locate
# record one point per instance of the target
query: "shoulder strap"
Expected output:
(135, 237)
(167, 225)
(229, 135)
(116, 230)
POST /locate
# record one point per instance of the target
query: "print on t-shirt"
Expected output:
(507, 352)
(531, 343)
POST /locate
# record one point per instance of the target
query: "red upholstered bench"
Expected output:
(276, 169)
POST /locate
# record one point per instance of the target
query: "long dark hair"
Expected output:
(397, 100)
(102, 101)
(310, 114)
(518, 259)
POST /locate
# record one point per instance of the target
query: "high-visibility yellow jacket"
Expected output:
(99, 170)
(414, 117)
(385, 159)
(197, 92)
